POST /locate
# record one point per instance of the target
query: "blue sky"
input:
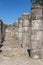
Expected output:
(11, 10)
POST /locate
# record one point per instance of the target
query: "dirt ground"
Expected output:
(13, 54)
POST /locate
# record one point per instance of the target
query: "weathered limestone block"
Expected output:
(36, 54)
(36, 44)
(27, 29)
(26, 19)
(21, 30)
(26, 23)
(37, 25)
(37, 35)
(26, 40)
(24, 29)
(36, 11)
(37, 39)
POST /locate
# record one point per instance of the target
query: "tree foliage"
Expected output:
(37, 2)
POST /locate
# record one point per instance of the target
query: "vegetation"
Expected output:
(37, 1)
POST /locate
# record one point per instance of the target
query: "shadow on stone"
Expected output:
(0, 51)
(29, 52)
(21, 45)
(1, 45)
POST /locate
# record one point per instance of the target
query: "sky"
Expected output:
(11, 10)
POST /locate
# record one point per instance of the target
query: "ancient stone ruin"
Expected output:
(28, 30)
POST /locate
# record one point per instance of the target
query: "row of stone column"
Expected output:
(30, 33)
(23, 31)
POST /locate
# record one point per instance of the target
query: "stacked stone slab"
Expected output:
(24, 31)
(37, 32)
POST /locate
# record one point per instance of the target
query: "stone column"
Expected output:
(27, 31)
(37, 31)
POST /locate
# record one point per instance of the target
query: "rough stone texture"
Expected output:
(30, 33)
(36, 11)
(36, 54)
(37, 39)
(37, 32)
(13, 54)
(24, 29)
(21, 29)
(26, 23)
(26, 40)
(37, 25)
